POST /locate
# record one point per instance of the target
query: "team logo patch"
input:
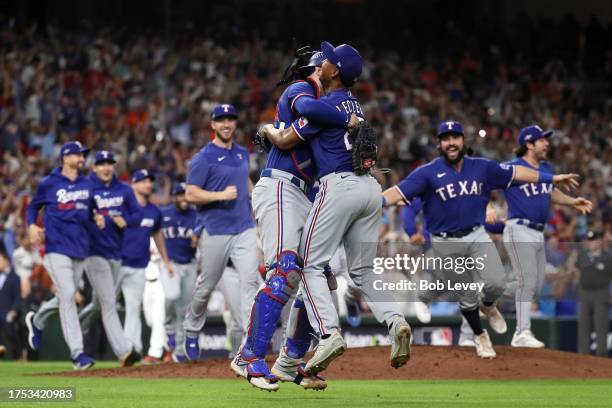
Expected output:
(302, 122)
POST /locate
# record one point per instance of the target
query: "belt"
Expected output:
(152, 280)
(457, 234)
(298, 182)
(530, 224)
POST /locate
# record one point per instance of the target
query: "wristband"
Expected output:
(545, 177)
(384, 201)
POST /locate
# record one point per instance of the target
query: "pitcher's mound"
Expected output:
(427, 363)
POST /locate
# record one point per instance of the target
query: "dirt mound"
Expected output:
(427, 363)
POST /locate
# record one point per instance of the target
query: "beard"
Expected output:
(460, 154)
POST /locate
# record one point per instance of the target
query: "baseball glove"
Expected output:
(365, 148)
(261, 140)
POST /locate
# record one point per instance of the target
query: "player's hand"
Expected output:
(99, 219)
(37, 234)
(568, 181)
(170, 270)
(230, 193)
(491, 216)
(119, 221)
(194, 241)
(353, 123)
(582, 205)
(417, 239)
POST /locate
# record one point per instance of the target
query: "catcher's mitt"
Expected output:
(365, 148)
(261, 140)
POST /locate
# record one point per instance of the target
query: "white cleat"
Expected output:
(238, 366)
(422, 312)
(327, 351)
(289, 369)
(496, 320)
(401, 335)
(484, 348)
(526, 339)
(264, 384)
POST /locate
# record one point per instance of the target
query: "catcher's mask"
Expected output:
(302, 65)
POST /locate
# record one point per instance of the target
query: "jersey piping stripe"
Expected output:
(402, 194)
(297, 133)
(279, 212)
(298, 96)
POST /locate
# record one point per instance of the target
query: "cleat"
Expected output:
(239, 365)
(526, 339)
(178, 358)
(192, 348)
(484, 348)
(289, 369)
(130, 358)
(401, 335)
(327, 351)
(83, 362)
(150, 360)
(258, 374)
(422, 312)
(466, 340)
(34, 333)
(496, 320)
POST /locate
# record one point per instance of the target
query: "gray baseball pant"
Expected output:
(347, 210)
(525, 247)
(131, 282)
(175, 308)
(215, 250)
(66, 274)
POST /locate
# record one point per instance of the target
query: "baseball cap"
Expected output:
(105, 156)
(224, 110)
(532, 133)
(73, 148)
(179, 188)
(140, 175)
(346, 58)
(450, 126)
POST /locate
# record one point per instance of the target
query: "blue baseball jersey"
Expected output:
(300, 99)
(530, 201)
(452, 200)
(178, 229)
(136, 239)
(331, 146)
(68, 208)
(114, 199)
(214, 168)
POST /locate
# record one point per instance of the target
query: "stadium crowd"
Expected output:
(148, 99)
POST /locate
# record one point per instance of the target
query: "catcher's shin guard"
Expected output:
(299, 333)
(269, 303)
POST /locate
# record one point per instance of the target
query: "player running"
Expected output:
(178, 224)
(66, 198)
(347, 210)
(528, 210)
(455, 189)
(218, 183)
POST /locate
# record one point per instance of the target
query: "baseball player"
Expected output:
(117, 204)
(135, 256)
(347, 209)
(523, 237)
(178, 224)
(154, 309)
(281, 205)
(69, 207)
(455, 189)
(218, 183)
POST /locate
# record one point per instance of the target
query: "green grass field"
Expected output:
(117, 392)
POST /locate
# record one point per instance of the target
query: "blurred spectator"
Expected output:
(10, 307)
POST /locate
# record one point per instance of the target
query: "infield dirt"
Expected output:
(427, 363)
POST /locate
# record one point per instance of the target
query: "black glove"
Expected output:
(365, 148)
(261, 140)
